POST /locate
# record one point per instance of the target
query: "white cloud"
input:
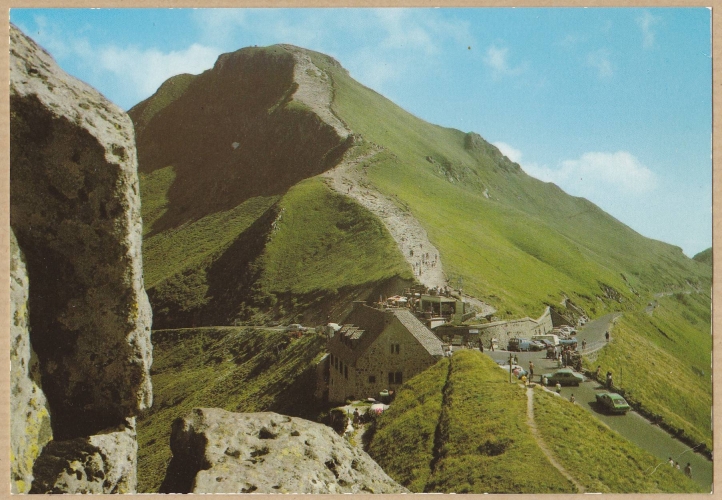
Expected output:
(497, 58)
(147, 69)
(508, 151)
(646, 21)
(599, 60)
(593, 173)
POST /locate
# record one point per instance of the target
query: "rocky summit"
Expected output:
(216, 451)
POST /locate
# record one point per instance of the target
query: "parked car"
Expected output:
(571, 342)
(565, 376)
(295, 327)
(612, 402)
(568, 330)
(518, 344)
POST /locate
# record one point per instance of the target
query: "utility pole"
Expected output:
(510, 367)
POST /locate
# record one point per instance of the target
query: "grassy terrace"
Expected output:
(665, 359)
(231, 368)
(476, 440)
(600, 459)
(404, 440)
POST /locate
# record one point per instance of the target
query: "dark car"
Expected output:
(612, 402)
(565, 376)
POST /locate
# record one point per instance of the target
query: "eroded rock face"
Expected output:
(75, 209)
(102, 463)
(29, 417)
(216, 451)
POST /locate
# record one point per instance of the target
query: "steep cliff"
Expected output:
(75, 209)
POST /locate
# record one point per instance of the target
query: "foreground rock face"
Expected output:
(215, 451)
(102, 463)
(29, 417)
(75, 210)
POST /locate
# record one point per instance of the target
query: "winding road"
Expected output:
(632, 426)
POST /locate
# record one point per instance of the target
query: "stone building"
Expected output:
(378, 349)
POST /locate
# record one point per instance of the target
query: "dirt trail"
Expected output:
(315, 90)
(547, 452)
(348, 178)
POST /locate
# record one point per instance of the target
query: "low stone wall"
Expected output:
(502, 331)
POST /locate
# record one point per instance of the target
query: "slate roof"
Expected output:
(426, 338)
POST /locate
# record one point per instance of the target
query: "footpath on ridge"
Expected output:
(547, 452)
(349, 179)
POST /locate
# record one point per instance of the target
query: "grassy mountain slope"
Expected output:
(705, 256)
(483, 444)
(663, 361)
(480, 439)
(236, 369)
(528, 242)
(223, 157)
(212, 144)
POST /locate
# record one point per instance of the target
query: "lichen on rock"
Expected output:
(75, 209)
(216, 451)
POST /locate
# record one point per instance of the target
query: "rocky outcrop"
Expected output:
(215, 451)
(29, 417)
(102, 463)
(75, 210)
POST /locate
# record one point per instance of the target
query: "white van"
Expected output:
(554, 339)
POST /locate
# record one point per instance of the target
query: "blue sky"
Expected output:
(612, 104)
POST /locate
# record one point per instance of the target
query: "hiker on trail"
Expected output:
(609, 380)
(606, 335)
(676, 466)
(584, 344)
(671, 462)
(531, 370)
(516, 360)
(688, 470)
(356, 417)
(491, 346)
(571, 399)
(481, 346)
(599, 373)
(545, 381)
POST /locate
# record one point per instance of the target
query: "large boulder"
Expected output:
(101, 463)
(75, 209)
(216, 451)
(29, 416)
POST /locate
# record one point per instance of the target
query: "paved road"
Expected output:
(632, 425)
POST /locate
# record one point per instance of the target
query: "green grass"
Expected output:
(319, 234)
(599, 458)
(236, 369)
(476, 440)
(403, 443)
(705, 256)
(663, 362)
(171, 252)
(526, 245)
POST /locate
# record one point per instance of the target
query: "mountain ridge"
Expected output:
(563, 241)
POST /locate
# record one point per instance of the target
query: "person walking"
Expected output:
(584, 345)
(599, 372)
(671, 462)
(571, 399)
(606, 335)
(559, 387)
(531, 371)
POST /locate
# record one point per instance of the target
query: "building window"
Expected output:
(395, 348)
(398, 378)
(372, 379)
(345, 371)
